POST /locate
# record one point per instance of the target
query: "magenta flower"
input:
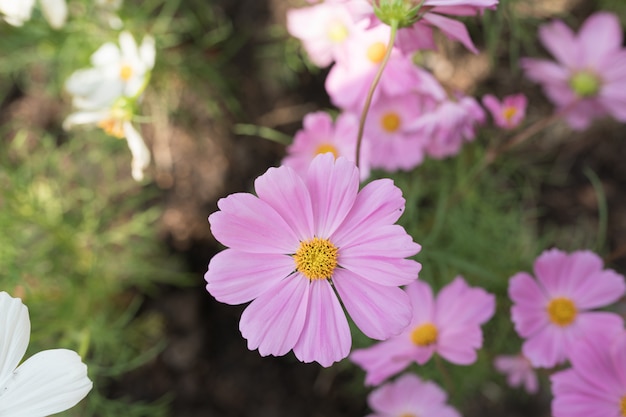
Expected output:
(448, 326)
(302, 243)
(518, 370)
(509, 113)
(409, 396)
(552, 312)
(589, 79)
(320, 135)
(595, 386)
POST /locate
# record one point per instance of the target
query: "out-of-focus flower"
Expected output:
(409, 396)
(16, 12)
(107, 11)
(301, 240)
(509, 113)
(552, 312)
(596, 383)
(48, 382)
(448, 326)
(518, 370)
(589, 78)
(449, 124)
(321, 135)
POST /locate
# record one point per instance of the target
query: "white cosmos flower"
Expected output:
(46, 383)
(16, 12)
(117, 71)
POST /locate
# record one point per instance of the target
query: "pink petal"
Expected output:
(559, 40)
(451, 28)
(390, 241)
(379, 311)
(524, 290)
(284, 190)
(237, 277)
(599, 289)
(551, 269)
(382, 270)
(458, 303)
(383, 359)
(459, 345)
(422, 300)
(542, 71)
(326, 336)
(581, 405)
(599, 37)
(618, 356)
(274, 321)
(546, 348)
(529, 321)
(333, 186)
(249, 224)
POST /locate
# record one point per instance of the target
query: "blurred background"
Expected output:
(114, 269)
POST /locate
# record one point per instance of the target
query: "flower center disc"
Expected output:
(325, 148)
(562, 311)
(622, 406)
(337, 32)
(390, 122)
(126, 71)
(316, 258)
(585, 84)
(376, 52)
(424, 334)
(509, 113)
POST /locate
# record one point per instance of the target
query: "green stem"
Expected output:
(370, 93)
(447, 379)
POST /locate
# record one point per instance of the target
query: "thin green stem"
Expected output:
(447, 379)
(370, 93)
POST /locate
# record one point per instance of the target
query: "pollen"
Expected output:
(126, 71)
(424, 334)
(622, 406)
(408, 415)
(390, 122)
(337, 32)
(562, 311)
(509, 113)
(585, 84)
(376, 52)
(113, 127)
(316, 258)
(325, 148)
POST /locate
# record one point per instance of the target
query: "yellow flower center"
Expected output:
(390, 122)
(376, 52)
(325, 148)
(562, 311)
(316, 258)
(126, 71)
(337, 32)
(509, 112)
(112, 126)
(622, 406)
(585, 84)
(407, 415)
(424, 334)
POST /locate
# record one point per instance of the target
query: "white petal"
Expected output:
(141, 154)
(14, 334)
(16, 12)
(147, 52)
(84, 118)
(55, 12)
(107, 54)
(47, 383)
(128, 46)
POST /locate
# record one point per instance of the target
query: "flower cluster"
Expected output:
(107, 94)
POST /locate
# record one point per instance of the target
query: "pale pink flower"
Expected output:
(320, 135)
(448, 326)
(509, 113)
(449, 124)
(324, 30)
(595, 386)
(518, 370)
(409, 396)
(302, 243)
(552, 312)
(589, 78)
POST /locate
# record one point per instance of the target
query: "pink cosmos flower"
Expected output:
(409, 396)
(589, 78)
(509, 113)
(449, 326)
(301, 243)
(552, 312)
(320, 135)
(596, 383)
(519, 371)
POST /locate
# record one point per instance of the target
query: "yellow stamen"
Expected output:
(113, 127)
(325, 148)
(424, 334)
(508, 113)
(337, 32)
(562, 311)
(390, 122)
(126, 71)
(408, 415)
(316, 258)
(622, 406)
(376, 52)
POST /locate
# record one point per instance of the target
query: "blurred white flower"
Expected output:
(16, 12)
(48, 382)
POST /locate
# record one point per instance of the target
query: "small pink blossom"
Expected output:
(509, 113)
(410, 396)
(596, 383)
(320, 135)
(552, 312)
(304, 243)
(519, 371)
(589, 78)
(448, 326)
